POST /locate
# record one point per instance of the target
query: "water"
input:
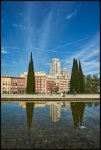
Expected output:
(50, 125)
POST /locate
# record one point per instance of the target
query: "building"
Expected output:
(18, 85)
(63, 83)
(65, 73)
(5, 85)
(46, 83)
(24, 75)
(50, 84)
(55, 67)
(61, 76)
(40, 82)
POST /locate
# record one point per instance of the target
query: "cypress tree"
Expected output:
(77, 77)
(82, 80)
(72, 77)
(74, 81)
(30, 89)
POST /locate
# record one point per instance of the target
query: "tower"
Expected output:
(55, 67)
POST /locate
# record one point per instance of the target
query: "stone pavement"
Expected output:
(49, 97)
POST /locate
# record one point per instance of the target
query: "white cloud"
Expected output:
(3, 51)
(74, 12)
(23, 27)
(70, 43)
(54, 49)
(88, 54)
(91, 65)
(46, 30)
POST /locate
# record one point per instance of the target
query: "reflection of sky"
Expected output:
(14, 125)
(95, 111)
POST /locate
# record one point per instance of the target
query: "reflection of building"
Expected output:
(5, 85)
(77, 113)
(65, 105)
(55, 111)
(55, 67)
(23, 104)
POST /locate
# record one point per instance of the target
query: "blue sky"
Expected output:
(64, 30)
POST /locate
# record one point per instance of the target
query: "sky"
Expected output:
(57, 29)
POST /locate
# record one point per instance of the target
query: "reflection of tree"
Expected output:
(77, 112)
(89, 104)
(96, 104)
(29, 111)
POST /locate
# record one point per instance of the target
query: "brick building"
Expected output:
(40, 82)
(17, 85)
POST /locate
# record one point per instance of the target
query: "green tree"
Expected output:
(92, 84)
(88, 84)
(56, 89)
(81, 79)
(95, 84)
(30, 89)
(74, 81)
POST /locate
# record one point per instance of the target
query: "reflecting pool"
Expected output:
(50, 125)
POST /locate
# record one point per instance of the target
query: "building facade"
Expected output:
(24, 75)
(65, 73)
(63, 83)
(50, 86)
(40, 82)
(55, 67)
(18, 85)
(5, 85)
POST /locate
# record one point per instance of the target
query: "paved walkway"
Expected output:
(49, 97)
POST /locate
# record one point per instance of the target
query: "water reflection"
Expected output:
(55, 111)
(55, 108)
(90, 104)
(77, 109)
(48, 130)
(29, 112)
